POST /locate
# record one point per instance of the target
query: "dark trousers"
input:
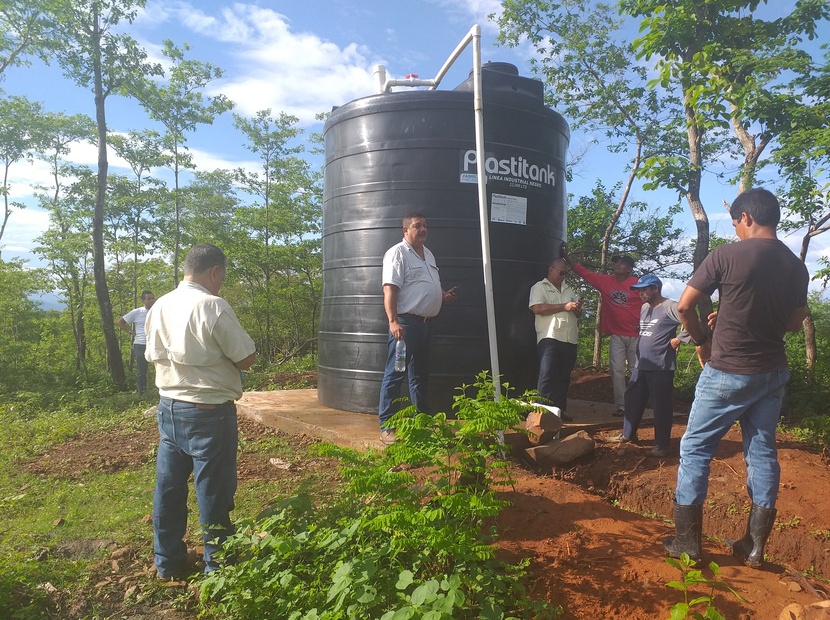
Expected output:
(140, 367)
(418, 337)
(556, 361)
(660, 385)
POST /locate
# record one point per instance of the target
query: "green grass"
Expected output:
(60, 530)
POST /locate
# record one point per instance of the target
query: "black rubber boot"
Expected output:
(750, 548)
(688, 525)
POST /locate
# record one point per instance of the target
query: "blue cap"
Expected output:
(646, 281)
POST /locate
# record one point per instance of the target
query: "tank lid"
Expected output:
(503, 78)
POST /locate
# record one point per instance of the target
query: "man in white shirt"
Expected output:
(133, 324)
(557, 308)
(412, 297)
(198, 348)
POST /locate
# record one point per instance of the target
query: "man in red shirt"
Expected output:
(620, 318)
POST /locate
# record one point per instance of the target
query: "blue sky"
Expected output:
(303, 58)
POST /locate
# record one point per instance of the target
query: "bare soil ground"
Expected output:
(592, 531)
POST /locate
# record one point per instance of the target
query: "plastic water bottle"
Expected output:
(400, 356)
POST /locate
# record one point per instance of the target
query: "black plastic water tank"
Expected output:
(391, 154)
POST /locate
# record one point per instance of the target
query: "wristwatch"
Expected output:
(702, 342)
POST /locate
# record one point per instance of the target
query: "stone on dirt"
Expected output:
(816, 611)
(562, 451)
(542, 426)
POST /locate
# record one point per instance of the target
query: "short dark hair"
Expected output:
(145, 293)
(760, 204)
(202, 257)
(407, 219)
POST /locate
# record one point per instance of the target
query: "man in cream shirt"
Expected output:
(198, 348)
(557, 309)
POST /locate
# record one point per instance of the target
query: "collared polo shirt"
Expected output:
(417, 280)
(562, 326)
(194, 338)
(137, 318)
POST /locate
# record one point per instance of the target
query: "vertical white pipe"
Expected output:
(380, 79)
(484, 219)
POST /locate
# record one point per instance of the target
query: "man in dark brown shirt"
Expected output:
(763, 294)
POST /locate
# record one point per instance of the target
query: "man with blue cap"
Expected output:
(653, 372)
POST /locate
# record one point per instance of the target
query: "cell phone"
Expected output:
(455, 288)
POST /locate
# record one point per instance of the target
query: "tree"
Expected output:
(66, 244)
(285, 213)
(94, 56)
(803, 159)
(269, 139)
(180, 106)
(25, 27)
(18, 120)
(20, 329)
(594, 80)
(143, 151)
(208, 206)
(728, 66)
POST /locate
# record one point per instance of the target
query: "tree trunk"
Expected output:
(695, 135)
(606, 240)
(810, 348)
(115, 364)
(597, 360)
(752, 152)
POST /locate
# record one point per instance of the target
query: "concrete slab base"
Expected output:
(299, 412)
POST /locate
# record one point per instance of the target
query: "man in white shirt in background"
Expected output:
(198, 348)
(133, 324)
(557, 308)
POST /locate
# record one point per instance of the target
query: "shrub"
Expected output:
(408, 540)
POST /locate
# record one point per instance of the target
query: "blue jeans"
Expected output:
(140, 367)
(659, 384)
(418, 337)
(556, 361)
(204, 442)
(721, 399)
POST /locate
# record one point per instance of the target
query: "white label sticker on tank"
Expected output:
(508, 209)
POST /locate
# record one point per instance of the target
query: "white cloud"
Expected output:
(208, 161)
(475, 10)
(23, 227)
(298, 73)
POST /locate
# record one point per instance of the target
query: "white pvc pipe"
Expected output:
(484, 219)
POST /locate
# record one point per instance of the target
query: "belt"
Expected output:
(204, 405)
(422, 319)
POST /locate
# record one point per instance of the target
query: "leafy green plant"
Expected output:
(692, 577)
(407, 539)
(793, 521)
